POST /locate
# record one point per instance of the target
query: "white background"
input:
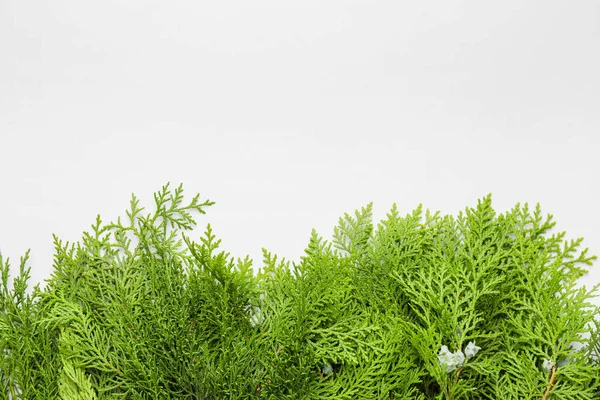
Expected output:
(290, 113)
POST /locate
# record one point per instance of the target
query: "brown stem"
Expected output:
(458, 371)
(457, 375)
(550, 384)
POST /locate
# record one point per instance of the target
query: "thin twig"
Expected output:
(551, 384)
(457, 375)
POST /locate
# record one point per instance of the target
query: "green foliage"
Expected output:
(425, 306)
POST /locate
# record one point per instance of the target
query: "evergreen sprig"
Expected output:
(423, 306)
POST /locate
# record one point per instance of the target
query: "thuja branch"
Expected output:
(417, 306)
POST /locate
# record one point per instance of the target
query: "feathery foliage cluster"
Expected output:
(422, 306)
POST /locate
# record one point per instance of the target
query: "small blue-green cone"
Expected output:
(327, 369)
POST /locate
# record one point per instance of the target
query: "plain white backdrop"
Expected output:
(290, 113)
